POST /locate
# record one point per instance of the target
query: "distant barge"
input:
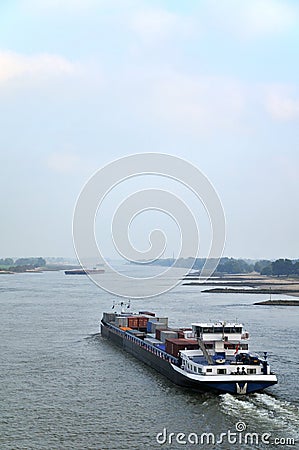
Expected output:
(83, 271)
(206, 357)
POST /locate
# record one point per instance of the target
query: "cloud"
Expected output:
(282, 102)
(15, 65)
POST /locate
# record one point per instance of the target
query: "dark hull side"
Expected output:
(83, 272)
(164, 367)
(160, 365)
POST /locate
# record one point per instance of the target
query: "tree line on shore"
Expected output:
(21, 264)
(280, 267)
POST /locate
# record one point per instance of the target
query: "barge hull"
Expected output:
(164, 367)
(160, 365)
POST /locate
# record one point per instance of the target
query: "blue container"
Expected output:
(149, 326)
(161, 347)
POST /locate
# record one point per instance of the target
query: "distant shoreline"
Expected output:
(48, 268)
(246, 284)
(251, 291)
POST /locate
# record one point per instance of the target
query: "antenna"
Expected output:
(122, 304)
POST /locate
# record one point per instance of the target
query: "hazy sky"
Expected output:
(83, 82)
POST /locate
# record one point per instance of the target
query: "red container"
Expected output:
(133, 321)
(173, 346)
(142, 322)
(137, 321)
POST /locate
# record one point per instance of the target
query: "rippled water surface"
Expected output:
(65, 387)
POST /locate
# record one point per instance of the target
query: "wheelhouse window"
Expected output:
(221, 371)
(233, 330)
(218, 329)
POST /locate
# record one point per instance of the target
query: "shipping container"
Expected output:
(152, 341)
(121, 321)
(137, 321)
(161, 347)
(157, 325)
(188, 334)
(151, 335)
(109, 317)
(137, 333)
(158, 332)
(133, 322)
(166, 334)
(181, 332)
(149, 326)
(142, 321)
(162, 320)
(173, 346)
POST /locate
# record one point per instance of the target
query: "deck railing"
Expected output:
(150, 348)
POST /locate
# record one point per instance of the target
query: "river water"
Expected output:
(63, 386)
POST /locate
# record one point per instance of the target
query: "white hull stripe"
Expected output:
(224, 378)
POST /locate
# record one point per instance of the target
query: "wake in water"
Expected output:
(263, 413)
(93, 336)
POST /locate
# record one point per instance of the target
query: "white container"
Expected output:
(152, 341)
(168, 335)
(158, 325)
(150, 336)
(121, 321)
(188, 334)
(109, 317)
(162, 320)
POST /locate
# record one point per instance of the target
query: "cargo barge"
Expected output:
(206, 357)
(83, 271)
